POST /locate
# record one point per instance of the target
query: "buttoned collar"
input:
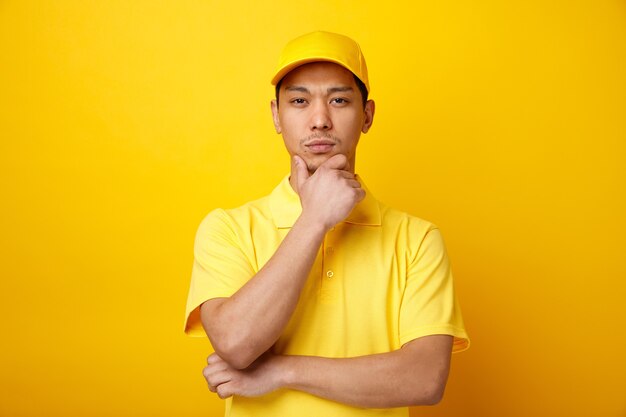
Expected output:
(285, 207)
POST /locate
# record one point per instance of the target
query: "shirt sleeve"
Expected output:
(220, 267)
(429, 305)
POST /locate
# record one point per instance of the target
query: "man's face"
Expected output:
(321, 113)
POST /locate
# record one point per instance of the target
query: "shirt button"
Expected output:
(329, 251)
(330, 274)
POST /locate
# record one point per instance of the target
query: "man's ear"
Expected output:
(369, 110)
(274, 105)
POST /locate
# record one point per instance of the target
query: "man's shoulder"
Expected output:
(395, 218)
(410, 233)
(251, 211)
(259, 207)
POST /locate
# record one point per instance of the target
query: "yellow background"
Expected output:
(123, 123)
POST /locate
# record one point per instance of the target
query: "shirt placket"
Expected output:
(329, 276)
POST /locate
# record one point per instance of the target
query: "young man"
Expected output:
(318, 299)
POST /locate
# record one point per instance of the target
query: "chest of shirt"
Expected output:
(349, 305)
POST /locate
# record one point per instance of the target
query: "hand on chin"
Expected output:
(314, 161)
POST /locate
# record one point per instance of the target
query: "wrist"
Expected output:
(313, 225)
(285, 370)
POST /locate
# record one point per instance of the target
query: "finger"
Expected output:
(347, 166)
(213, 358)
(214, 368)
(224, 391)
(300, 169)
(354, 183)
(360, 194)
(206, 373)
(218, 378)
(212, 387)
(215, 378)
(346, 174)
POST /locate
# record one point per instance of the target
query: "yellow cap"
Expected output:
(322, 46)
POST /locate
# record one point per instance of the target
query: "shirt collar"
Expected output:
(285, 207)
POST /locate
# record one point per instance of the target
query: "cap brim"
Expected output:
(295, 64)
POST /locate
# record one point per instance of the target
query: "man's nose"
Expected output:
(320, 118)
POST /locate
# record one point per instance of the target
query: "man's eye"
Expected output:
(298, 101)
(339, 100)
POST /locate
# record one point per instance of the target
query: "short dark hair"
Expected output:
(359, 84)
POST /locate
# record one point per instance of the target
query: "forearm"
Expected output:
(413, 376)
(247, 324)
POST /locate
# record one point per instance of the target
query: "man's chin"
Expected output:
(313, 164)
(312, 168)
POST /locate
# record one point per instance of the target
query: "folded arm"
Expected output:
(416, 374)
(248, 323)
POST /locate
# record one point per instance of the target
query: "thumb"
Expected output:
(300, 170)
(213, 358)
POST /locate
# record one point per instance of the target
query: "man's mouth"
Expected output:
(320, 146)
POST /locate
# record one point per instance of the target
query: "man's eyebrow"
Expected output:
(297, 88)
(330, 90)
(339, 89)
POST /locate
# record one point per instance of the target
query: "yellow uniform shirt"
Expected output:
(381, 279)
